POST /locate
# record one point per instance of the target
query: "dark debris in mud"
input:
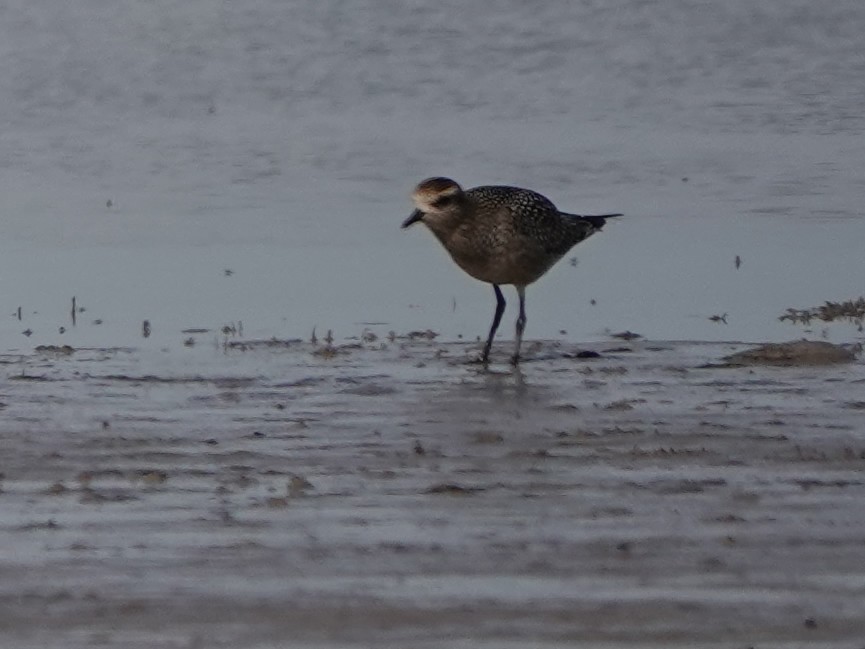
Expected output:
(222, 382)
(31, 377)
(270, 343)
(427, 334)
(55, 350)
(453, 489)
(626, 335)
(586, 353)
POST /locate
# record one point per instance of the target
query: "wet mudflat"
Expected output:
(395, 495)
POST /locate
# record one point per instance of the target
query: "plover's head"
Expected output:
(436, 200)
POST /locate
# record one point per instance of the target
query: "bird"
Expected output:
(500, 235)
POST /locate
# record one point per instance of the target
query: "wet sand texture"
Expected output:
(399, 497)
(792, 354)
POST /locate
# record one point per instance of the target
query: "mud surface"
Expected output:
(797, 353)
(398, 496)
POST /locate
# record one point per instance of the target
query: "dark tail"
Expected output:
(597, 220)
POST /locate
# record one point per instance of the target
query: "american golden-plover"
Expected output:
(500, 235)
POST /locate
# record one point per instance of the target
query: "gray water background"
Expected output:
(280, 140)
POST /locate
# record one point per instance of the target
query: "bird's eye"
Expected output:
(441, 201)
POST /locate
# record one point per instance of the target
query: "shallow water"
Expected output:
(281, 141)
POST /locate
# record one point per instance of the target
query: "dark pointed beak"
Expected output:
(416, 216)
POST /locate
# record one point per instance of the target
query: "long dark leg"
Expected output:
(500, 309)
(521, 323)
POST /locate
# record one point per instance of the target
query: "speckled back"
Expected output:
(533, 216)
